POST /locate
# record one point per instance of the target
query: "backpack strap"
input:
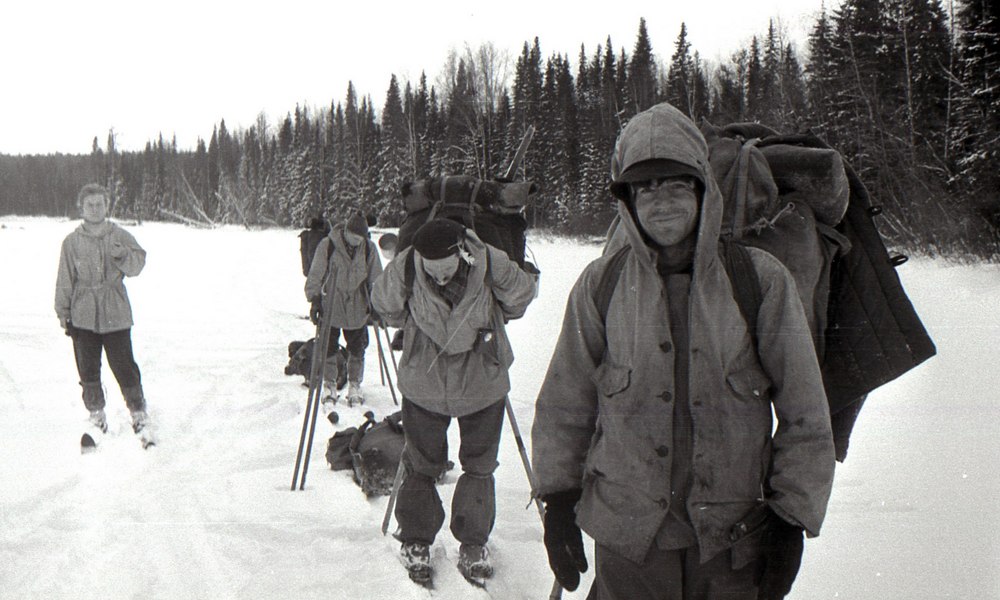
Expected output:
(739, 268)
(360, 433)
(609, 281)
(736, 210)
(409, 273)
(745, 281)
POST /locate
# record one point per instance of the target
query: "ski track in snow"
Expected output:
(208, 513)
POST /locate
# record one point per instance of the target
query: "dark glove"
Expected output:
(397, 341)
(316, 312)
(563, 540)
(782, 555)
(375, 319)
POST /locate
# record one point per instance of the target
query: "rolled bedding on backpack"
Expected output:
(814, 176)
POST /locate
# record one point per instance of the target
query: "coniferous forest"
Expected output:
(907, 90)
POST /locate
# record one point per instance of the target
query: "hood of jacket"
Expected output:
(663, 132)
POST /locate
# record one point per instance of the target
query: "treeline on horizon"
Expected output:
(908, 93)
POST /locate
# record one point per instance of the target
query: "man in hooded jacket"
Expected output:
(653, 427)
(455, 364)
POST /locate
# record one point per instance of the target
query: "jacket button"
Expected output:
(662, 451)
(663, 503)
(666, 396)
(666, 346)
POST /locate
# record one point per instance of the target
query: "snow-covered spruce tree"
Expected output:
(678, 92)
(642, 72)
(394, 160)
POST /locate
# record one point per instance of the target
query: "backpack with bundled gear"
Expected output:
(796, 198)
(493, 208)
(372, 451)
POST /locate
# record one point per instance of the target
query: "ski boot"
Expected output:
(141, 427)
(98, 420)
(474, 564)
(416, 557)
(98, 426)
(354, 395)
(331, 397)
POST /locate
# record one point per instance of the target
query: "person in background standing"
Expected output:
(343, 270)
(93, 306)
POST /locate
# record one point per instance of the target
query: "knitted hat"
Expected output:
(438, 238)
(357, 225)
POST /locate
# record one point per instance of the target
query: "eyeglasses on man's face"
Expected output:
(673, 185)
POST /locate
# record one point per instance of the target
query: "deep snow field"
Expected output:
(208, 513)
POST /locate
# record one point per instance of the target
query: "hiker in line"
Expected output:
(93, 307)
(451, 294)
(652, 429)
(343, 270)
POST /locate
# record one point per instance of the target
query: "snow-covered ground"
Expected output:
(208, 513)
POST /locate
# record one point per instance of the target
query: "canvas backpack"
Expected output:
(372, 451)
(309, 239)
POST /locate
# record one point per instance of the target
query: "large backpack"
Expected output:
(493, 209)
(821, 227)
(309, 239)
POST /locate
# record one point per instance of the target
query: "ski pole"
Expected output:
(316, 372)
(556, 593)
(524, 455)
(396, 482)
(315, 389)
(392, 354)
(381, 359)
(382, 363)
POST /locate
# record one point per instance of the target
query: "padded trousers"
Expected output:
(419, 511)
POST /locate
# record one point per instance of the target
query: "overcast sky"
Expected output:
(71, 70)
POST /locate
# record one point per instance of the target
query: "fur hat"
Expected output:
(357, 225)
(438, 238)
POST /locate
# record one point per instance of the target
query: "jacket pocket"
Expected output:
(750, 384)
(611, 379)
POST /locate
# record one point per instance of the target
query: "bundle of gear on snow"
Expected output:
(372, 451)
(300, 361)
